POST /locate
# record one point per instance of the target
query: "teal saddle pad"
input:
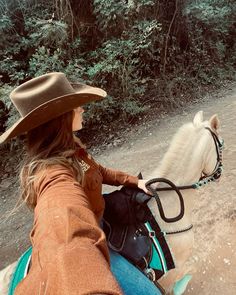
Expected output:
(20, 271)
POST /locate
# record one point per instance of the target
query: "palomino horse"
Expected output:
(193, 159)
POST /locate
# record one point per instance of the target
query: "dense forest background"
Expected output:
(145, 53)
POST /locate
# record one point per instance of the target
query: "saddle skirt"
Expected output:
(21, 270)
(132, 231)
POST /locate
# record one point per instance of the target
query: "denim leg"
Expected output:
(131, 280)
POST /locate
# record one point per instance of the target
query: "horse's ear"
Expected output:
(198, 119)
(214, 122)
(140, 176)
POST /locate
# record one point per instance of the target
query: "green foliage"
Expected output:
(211, 22)
(43, 61)
(133, 48)
(5, 24)
(213, 13)
(10, 66)
(132, 107)
(49, 33)
(115, 16)
(98, 112)
(76, 70)
(9, 115)
(4, 95)
(121, 63)
(111, 109)
(110, 14)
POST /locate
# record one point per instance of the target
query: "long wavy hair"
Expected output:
(52, 143)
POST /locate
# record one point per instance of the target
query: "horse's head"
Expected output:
(195, 151)
(212, 144)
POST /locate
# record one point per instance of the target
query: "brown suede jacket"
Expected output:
(70, 255)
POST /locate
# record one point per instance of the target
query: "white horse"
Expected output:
(194, 151)
(5, 277)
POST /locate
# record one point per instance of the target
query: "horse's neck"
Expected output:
(182, 164)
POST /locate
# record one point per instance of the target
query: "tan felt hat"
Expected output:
(44, 98)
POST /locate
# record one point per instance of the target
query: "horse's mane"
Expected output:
(180, 150)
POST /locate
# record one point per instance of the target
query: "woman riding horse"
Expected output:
(62, 183)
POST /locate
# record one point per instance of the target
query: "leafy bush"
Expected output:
(113, 17)
(211, 13)
(135, 49)
(48, 33)
(212, 20)
(121, 63)
(5, 23)
(43, 61)
(8, 113)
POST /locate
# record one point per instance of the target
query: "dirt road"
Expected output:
(214, 219)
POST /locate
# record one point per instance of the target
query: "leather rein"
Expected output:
(172, 187)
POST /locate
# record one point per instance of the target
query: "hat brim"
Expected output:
(54, 108)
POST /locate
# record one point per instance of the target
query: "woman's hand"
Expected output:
(142, 186)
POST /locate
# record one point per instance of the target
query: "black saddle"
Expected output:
(125, 213)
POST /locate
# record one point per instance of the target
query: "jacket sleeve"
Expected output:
(69, 247)
(115, 177)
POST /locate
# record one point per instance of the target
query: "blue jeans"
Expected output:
(131, 280)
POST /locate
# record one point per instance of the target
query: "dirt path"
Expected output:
(214, 257)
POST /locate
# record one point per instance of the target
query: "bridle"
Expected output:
(219, 145)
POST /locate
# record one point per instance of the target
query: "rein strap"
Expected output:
(157, 198)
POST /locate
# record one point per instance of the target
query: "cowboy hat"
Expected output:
(44, 98)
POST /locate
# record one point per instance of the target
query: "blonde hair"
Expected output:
(52, 143)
